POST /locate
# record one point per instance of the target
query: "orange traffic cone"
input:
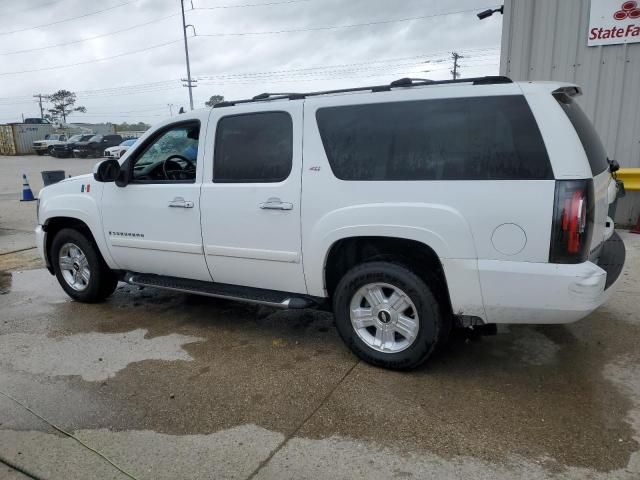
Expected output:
(27, 194)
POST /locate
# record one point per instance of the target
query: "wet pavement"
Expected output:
(166, 385)
(169, 385)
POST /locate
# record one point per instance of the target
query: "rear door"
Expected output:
(251, 196)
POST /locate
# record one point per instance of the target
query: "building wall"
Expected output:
(24, 134)
(547, 40)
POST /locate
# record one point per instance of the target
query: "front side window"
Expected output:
(253, 148)
(477, 138)
(169, 157)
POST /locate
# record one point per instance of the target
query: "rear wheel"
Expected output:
(79, 267)
(387, 315)
(50, 150)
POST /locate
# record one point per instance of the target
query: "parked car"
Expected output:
(119, 150)
(46, 146)
(95, 146)
(36, 120)
(63, 150)
(406, 208)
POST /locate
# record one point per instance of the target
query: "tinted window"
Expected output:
(590, 139)
(483, 138)
(96, 138)
(251, 148)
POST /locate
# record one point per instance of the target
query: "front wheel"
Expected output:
(387, 315)
(79, 267)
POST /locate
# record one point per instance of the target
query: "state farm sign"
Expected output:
(614, 21)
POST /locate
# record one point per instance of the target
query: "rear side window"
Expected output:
(478, 138)
(590, 139)
(253, 148)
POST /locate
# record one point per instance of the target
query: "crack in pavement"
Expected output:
(18, 251)
(288, 437)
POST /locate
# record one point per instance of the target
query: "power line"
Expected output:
(336, 27)
(269, 4)
(382, 22)
(55, 67)
(430, 58)
(74, 42)
(49, 24)
(133, 27)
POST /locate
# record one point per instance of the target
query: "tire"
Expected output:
(100, 281)
(39, 152)
(399, 352)
(50, 150)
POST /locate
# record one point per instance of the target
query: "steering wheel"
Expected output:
(173, 170)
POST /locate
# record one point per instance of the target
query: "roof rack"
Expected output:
(400, 83)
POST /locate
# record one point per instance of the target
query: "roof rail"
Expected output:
(400, 83)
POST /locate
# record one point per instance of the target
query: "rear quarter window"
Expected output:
(593, 147)
(477, 138)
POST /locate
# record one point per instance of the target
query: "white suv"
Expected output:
(407, 208)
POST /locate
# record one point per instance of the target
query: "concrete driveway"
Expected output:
(167, 385)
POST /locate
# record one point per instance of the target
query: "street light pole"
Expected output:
(186, 54)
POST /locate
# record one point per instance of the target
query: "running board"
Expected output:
(237, 293)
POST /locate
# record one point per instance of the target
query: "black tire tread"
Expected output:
(103, 281)
(423, 297)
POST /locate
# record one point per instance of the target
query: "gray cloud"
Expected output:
(222, 56)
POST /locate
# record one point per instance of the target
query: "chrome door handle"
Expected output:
(180, 202)
(275, 203)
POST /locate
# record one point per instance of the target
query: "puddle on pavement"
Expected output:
(92, 356)
(530, 393)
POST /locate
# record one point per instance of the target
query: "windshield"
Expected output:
(86, 137)
(128, 143)
(75, 138)
(96, 138)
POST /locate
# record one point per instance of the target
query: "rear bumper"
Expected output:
(520, 292)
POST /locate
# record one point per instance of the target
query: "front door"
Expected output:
(152, 225)
(251, 197)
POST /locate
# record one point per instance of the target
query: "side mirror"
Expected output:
(124, 175)
(106, 171)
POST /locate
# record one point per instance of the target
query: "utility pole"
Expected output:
(186, 53)
(455, 56)
(170, 105)
(39, 96)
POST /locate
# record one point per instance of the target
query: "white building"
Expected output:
(596, 44)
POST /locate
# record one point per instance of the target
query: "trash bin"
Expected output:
(52, 176)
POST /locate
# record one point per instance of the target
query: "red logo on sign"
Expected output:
(629, 10)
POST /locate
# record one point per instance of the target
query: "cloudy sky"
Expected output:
(125, 58)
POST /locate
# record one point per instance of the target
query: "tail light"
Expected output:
(572, 221)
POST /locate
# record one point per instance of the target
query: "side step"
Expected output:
(237, 293)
